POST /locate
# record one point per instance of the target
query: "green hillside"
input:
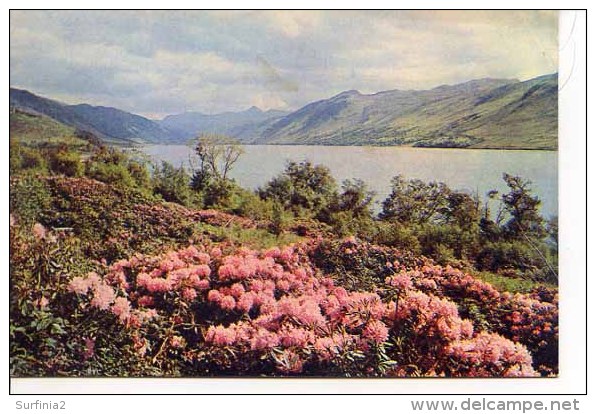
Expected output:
(485, 113)
(38, 129)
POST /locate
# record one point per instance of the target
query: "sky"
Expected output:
(156, 63)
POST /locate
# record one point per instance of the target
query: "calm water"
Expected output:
(471, 170)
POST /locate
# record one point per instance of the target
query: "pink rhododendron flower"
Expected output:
(103, 296)
(376, 331)
(214, 296)
(189, 294)
(227, 302)
(79, 285)
(121, 308)
(221, 336)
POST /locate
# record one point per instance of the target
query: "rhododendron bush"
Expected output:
(273, 312)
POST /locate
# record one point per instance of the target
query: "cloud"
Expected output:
(161, 62)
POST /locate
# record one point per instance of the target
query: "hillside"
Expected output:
(486, 113)
(40, 130)
(110, 124)
(483, 113)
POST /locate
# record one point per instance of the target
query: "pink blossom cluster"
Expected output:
(525, 318)
(431, 316)
(104, 297)
(275, 305)
(489, 355)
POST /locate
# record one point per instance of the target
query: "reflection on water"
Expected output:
(477, 171)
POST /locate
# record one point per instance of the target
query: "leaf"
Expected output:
(56, 329)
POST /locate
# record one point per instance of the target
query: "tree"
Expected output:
(217, 155)
(414, 201)
(461, 209)
(302, 187)
(356, 198)
(525, 220)
(172, 184)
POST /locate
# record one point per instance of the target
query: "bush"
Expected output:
(67, 163)
(303, 188)
(25, 158)
(516, 255)
(394, 235)
(269, 313)
(116, 174)
(30, 198)
(173, 184)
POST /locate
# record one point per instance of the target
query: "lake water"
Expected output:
(476, 171)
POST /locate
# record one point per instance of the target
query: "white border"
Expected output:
(572, 256)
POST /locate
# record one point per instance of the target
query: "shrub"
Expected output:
(30, 199)
(269, 313)
(173, 184)
(303, 188)
(67, 163)
(25, 158)
(414, 201)
(394, 234)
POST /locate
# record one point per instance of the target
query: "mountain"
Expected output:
(243, 125)
(484, 113)
(109, 124)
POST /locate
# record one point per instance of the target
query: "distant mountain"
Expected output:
(244, 125)
(485, 113)
(109, 124)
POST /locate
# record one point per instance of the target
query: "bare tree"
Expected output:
(217, 155)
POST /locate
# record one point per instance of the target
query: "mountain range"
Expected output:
(483, 113)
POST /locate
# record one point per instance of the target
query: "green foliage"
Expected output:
(30, 198)
(350, 212)
(24, 158)
(509, 255)
(173, 184)
(414, 201)
(264, 210)
(510, 283)
(303, 188)
(66, 162)
(525, 220)
(255, 238)
(394, 234)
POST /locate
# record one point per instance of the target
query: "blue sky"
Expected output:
(163, 62)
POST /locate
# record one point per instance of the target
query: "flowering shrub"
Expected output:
(272, 312)
(530, 319)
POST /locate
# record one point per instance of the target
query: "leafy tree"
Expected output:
(304, 188)
(525, 220)
(173, 184)
(414, 201)
(461, 209)
(350, 212)
(67, 162)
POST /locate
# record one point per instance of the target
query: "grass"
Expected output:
(510, 284)
(252, 238)
(39, 130)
